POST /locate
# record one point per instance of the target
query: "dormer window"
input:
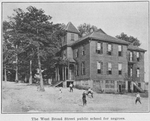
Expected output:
(72, 37)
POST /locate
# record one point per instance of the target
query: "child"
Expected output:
(84, 98)
(60, 91)
(71, 87)
(60, 95)
(90, 92)
(138, 98)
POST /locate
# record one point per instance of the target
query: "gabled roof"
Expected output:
(135, 48)
(71, 28)
(100, 35)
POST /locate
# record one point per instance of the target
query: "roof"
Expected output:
(64, 61)
(101, 36)
(71, 28)
(135, 48)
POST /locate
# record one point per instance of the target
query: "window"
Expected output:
(99, 47)
(138, 56)
(109, 68)
(83, 50)
(83, 68)
(131, 56)
(112, 82)
(120, 68)
(119, 50)
(138, 72)
(76, 53)
(109, 84)
(109, 49)
(72, 37)
(99, 67)
(131, 71)
(77, 69)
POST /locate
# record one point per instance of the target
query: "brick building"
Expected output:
(100, 61)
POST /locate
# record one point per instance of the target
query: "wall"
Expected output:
(83, 84)
(137, 64)
(81, 58)
(68, 37)
(100, 79)
(69, 52)
(114, 59)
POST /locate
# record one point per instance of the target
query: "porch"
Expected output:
(65, 72)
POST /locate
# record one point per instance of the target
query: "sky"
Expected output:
(112, 17)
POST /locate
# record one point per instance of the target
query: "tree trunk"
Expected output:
(5, 71)
(16, 79)
(40, 73)
(30, 79)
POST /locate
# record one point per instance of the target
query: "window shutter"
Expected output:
(102, 47)
(96, 46)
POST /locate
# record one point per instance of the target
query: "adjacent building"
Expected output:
(100, 61)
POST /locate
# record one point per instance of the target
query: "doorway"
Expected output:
(120, 88)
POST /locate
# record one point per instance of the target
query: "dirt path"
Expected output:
(21, 98)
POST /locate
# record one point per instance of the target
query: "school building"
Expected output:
(100, 61)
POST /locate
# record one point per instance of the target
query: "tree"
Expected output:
(8, 50)
(17, 38)
(85, 29)
(130, 39)
(5, 48)
(41, 36)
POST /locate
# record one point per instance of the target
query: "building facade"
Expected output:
(100, 61)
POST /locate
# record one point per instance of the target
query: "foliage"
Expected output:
(36, 38)
(85, 29)
(130, 39)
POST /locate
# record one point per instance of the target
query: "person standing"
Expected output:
(90, 92)
(71, 87)
(138, 98)
(60, 94)
(84, 98)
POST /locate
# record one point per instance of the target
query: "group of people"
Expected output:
(85, 93)
(89, 91)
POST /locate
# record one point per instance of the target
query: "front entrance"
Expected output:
(129, 86)
(120, 88)
(69, 82)
(65, 72)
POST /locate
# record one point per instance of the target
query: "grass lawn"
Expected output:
(24, 98)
